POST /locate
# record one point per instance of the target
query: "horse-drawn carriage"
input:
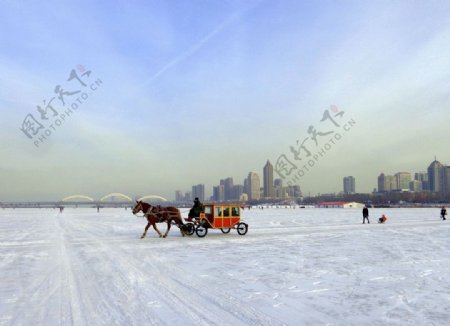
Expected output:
(213, 216)
(217, 216)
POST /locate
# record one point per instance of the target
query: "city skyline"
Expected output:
(148, 97)
(400, 181)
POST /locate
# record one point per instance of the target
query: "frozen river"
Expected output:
(293, 267)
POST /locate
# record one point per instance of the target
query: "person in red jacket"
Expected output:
(382, 219)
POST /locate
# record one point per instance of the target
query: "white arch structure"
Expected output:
(153, 197)
(116, 194)
(68, 198)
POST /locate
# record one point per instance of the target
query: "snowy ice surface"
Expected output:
(293, 267)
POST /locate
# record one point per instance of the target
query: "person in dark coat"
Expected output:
(365, 213)
(443, 213)
(196, 209)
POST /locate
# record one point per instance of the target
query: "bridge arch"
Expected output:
(116, 194)
(74, 197)
(153, 197)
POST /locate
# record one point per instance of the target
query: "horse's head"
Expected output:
(138, 207)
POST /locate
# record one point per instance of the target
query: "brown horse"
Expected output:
(158, 214)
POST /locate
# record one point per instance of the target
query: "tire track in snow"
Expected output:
(189, 295)
(111, 309)
(196, 313)
(70, 301)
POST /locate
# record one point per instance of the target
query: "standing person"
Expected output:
(365, 213)
(443, 213)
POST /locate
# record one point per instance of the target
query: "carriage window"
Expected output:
(208, 210)
(218, 211)
(226, 212)
(235, 211)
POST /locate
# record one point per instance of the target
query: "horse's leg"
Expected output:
(156, 229)
(169, 224)
(180, 224)
(145, 231)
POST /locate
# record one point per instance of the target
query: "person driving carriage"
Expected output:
(196, 209)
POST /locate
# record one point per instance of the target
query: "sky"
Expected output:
(161, 95)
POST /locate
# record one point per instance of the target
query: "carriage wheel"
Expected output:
(201, 231)
(189, 229)
(242, 228)
(225, 230)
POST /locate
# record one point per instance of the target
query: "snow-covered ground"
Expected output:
(294, 267)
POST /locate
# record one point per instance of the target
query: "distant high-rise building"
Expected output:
(422, 177)
(246, 186)
(416, 186)
(179, 195)
(238, 190)
(278, 189)
(436, 176)
(349, 185)
(281, 192)
(253, 185)
(219, 193)
(447, 180)
(268, 180)
(228, 188)
(386, 183)
(402, 180)
(297, 191)
(199, 191)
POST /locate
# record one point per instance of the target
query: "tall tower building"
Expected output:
(415, 186)
(436, 176)
(199, 191)
(422, 177)
(228, 188)
(349, 185)
(246, 187)
(268, 181)
(219, 193)
(446, 180)
(178, 195)
(386, 183)
(402, 180)
(238, 190)
(253, 185)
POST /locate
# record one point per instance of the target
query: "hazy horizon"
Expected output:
(182, 93)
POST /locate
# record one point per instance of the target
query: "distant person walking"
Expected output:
(443, 213)
(365, 213)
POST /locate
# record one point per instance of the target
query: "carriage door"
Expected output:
(218, 216)
(235, 216)
(226, 217)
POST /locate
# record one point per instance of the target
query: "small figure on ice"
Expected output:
(382, 219)
(443, 213)
(365, 213)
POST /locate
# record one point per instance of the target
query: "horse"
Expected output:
(158, 214)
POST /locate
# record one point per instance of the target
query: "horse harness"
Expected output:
(159, 213)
